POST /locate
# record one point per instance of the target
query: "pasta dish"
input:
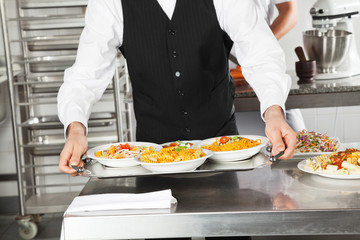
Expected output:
(120, 151)
(341, 163)
(170, 154)
(231, 144)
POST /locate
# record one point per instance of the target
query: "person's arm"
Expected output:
(86, 81)
(286, 20)
(263, 64)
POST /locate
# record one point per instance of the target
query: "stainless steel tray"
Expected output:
(49, 63)
(52, 43)
(95, 169)
(52, 22)
(31, 4)
(100, 119)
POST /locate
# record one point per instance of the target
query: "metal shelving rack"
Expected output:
(46, 51)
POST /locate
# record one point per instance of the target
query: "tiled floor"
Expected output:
(49, 229)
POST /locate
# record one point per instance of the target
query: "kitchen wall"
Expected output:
(340, 121)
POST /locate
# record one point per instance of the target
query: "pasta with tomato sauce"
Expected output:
(231, 144)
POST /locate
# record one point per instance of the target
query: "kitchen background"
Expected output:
(338, 121)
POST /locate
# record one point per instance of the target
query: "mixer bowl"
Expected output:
(328, 48)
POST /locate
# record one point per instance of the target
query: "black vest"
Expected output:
(179, 72)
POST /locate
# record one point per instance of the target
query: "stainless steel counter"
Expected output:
(321, 93)
(273, 200)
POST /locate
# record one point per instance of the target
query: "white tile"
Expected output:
(6, 139)
(328, 124)
(352, 110)
(351, 140)
(310, 122)
(308, 111)
(351, 126)
(8, 189)
(7, 162)
(329, 110)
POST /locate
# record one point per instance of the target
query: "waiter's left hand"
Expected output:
(280, 134)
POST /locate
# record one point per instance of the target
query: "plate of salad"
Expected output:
(311, 143)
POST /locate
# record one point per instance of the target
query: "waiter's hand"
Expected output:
(280, 134)
(75, 146)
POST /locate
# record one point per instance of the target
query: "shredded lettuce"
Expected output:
(315, 142)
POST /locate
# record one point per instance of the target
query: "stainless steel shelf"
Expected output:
(52, 24)
(48, 63)
(36, 4)
(99, 119)
(52, 43)
(49, 203)
(51, 145)
(44, 56)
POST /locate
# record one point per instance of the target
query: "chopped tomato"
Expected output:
(125, 146)
(224, 139)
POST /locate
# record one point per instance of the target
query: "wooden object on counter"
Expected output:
(305, 69)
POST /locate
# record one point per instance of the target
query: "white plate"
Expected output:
(194, 142)
(302, 166)
(330, 184)
(122, 162)
(312, 154)
(189, 165)
(236, 155)
(97, 169)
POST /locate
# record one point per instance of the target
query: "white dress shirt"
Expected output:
(256, 48)
(267, 8)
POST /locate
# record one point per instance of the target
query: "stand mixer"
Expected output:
(332, 44)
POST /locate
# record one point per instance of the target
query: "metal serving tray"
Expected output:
(31, 4)
(95, 169)
(100, 119)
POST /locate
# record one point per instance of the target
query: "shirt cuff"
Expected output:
(265, 106)
(76, 118)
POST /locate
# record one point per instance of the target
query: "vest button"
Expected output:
(172, 32)
(185, 112)
(177, 74)
(187, 130)
(174, 54)
(181, 93)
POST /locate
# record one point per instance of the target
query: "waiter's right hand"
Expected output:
(75, 146)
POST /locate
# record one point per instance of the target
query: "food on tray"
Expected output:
(341, 163)
(179, 144)
(237, 72)
(314, 142)
(232, 143)
(120, 151)
(171, 154)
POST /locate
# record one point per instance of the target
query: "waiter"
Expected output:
(283, 23)
(177, 56)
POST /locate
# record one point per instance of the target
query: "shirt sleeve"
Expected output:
(281, 1)
(86, 81)
(257, 50)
